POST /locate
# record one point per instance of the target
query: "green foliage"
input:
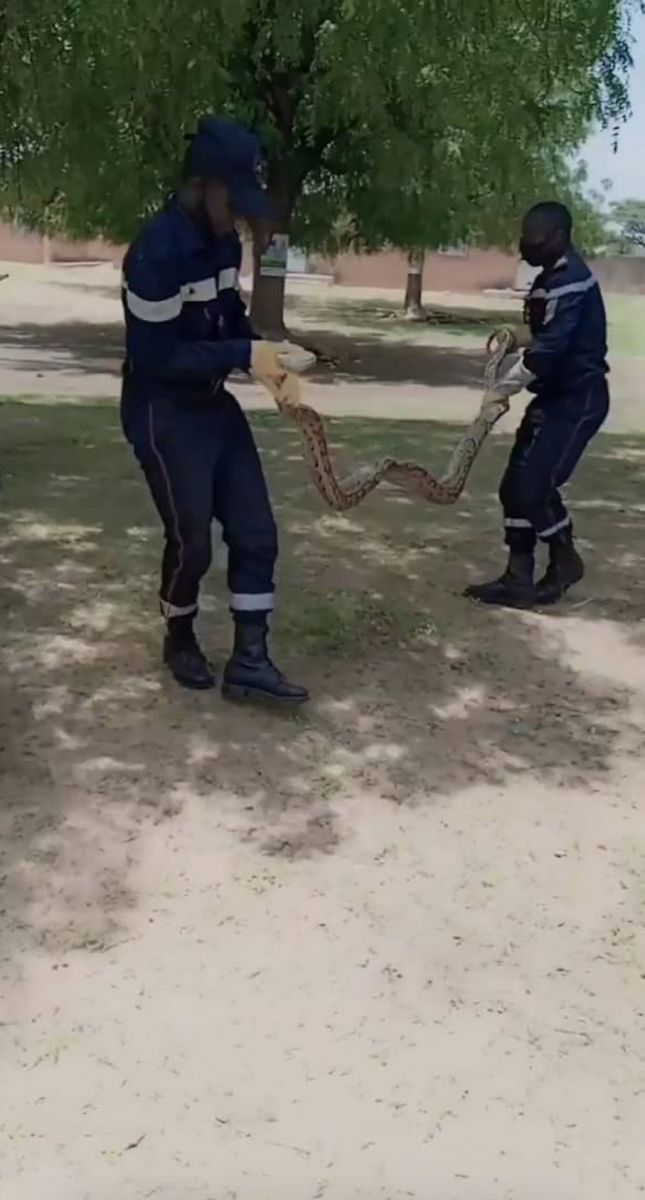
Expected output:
(494, 130)
(95, 98)
(417, 122)
(629, 216)
(591, 231)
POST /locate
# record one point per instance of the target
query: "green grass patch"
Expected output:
(626, 324)
(346, 314)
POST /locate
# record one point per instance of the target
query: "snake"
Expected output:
(347, 492)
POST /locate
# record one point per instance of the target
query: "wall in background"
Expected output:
(472, 271)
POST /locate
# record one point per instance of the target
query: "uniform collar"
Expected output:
(195, 236)
(547, 272)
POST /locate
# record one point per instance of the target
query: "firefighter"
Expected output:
(186, 330)
(562, 361)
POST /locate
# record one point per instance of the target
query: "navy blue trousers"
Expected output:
(201, 464)
(549, 443)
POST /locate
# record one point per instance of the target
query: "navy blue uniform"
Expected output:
(186, 330)
(566, 369)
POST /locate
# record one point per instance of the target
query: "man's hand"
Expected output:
(519, 336)
(270, 360)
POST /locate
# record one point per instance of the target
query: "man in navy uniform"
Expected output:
(186, 330)
(563, 362)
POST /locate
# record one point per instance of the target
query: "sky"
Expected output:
(627, 167)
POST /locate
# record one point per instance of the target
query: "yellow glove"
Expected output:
(270, 360)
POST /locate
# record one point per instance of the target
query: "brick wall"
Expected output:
(20, 247)
(16, 245)
(470, 272)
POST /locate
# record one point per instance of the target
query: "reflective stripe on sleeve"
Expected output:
(567, 289)
(200, 292)
(153, 311)
(228, 279)
(550, 311)
(158, 311)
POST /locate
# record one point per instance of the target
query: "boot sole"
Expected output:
(192, 685)
(525, 605)
(240, 693)
(516, 605)
(549, 601)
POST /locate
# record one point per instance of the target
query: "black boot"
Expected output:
(514, 589)
(249, 671)
(565, 568)
(184, 657)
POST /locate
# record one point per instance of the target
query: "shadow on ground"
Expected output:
(77, 345)
(361, 356)
(416, 693)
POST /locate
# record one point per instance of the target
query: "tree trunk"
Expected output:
(270, 269)
(267, 300)
(413, 303)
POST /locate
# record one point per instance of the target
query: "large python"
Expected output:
(342, 494)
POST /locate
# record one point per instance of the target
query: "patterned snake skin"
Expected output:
(342, 494)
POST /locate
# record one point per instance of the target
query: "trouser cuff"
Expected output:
(168, 610)
(519, 535)
(252, 602)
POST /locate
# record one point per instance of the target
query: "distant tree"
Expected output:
(591, 216)
(629, 217)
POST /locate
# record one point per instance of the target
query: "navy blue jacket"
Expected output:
(566, 314)
(186, 326)
(568, 351)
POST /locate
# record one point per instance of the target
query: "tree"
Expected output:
(482, 164)
(406, 121)
(413, 299)
(629, 216)
(467, 135)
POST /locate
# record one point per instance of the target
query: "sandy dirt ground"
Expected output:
(388, 947)
(62, 336)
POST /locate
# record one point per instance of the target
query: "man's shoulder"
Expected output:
(568, 276)
(571, 268)
(161, 239)
(156, 235)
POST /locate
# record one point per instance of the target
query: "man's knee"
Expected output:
(529, 497)
(524, 500)
(194, 555)
(508, 491)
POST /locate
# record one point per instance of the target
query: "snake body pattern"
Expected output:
(343, 494)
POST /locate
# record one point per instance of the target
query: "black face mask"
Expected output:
(536, 254)
(542, 254)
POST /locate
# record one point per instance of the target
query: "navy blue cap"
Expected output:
(229, 152)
